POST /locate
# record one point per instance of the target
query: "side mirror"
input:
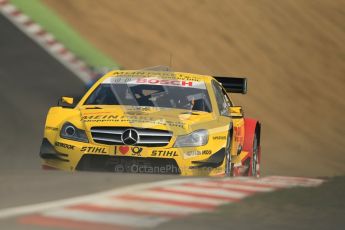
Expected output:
(236, 111)
(66, 102)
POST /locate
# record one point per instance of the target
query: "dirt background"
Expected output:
(292, 51)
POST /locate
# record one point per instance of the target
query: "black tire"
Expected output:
(228, 168)
(255, 158)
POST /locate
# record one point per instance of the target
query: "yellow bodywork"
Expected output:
(86, 116)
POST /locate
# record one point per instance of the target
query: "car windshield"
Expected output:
(152, 92)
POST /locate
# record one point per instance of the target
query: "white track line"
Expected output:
(107, 218)
(27, 209)
(179, 197)
(8, 8)
(295, 181)
(56, 47)
(240, 186)
(33, 28)
(22, 18)
(205, 191)
(143, 206)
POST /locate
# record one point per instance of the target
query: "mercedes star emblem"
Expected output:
(130, 137)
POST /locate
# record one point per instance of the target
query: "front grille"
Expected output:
(106, 163)
(146, 137)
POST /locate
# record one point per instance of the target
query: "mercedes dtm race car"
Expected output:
(154, 122)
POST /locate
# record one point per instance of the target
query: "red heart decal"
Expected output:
(124, 149)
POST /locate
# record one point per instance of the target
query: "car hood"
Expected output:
(178, 120)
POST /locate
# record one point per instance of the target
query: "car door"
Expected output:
(231, 114)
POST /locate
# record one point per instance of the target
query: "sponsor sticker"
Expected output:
(155, 81)
(164, 153)
(219, 137)
(63, 145)
(196, 153)
(136, 151)
(124, 150)
(131, 119)
(86, 149)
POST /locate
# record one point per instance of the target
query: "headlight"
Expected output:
(69, 131)
(196, 138)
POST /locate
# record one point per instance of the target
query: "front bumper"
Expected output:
(105, 163)
(71, 155)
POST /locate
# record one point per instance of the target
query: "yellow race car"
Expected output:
(154, 122)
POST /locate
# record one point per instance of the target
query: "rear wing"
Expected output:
(233, 84)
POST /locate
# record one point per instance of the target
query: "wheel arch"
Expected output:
(251, 126)
(258, 132)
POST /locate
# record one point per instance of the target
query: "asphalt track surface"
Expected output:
(31, 82)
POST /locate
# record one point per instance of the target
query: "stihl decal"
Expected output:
(164, 153)
(93, 150)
